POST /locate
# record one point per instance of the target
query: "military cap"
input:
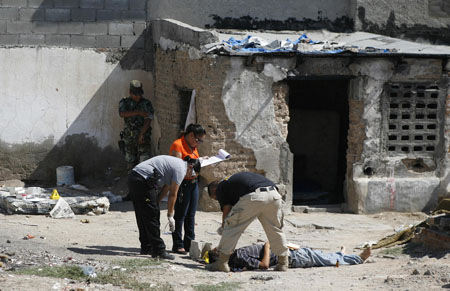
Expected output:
(136, 87)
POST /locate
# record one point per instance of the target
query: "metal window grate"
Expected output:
(412, 115)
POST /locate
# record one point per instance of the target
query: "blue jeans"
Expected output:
(306, 257)
(185, 208)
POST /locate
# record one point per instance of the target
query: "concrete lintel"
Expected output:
(181, 32)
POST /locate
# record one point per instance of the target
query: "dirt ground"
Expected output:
(113, 236)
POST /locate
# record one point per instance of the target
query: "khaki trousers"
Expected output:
(267, 207)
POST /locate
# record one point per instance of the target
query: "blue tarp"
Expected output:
(250, 44)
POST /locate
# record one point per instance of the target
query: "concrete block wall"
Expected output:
(74, 23)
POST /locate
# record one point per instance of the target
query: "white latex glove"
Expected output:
(171, 222)
(220, 230)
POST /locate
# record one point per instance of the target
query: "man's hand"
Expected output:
(171, 222)
(220, 230)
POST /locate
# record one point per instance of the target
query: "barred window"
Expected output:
(412, 115)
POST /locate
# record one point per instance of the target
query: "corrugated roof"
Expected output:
(319, 43)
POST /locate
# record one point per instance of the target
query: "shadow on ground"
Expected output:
(106, 251)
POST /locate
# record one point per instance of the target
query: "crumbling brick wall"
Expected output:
(175, 70)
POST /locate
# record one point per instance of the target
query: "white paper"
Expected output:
(221, 156)
(62, 210)
(192, 114)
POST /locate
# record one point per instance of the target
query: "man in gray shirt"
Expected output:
(148, 182)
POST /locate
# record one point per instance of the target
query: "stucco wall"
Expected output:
(425, 20)
(64, 97)
(266, 14)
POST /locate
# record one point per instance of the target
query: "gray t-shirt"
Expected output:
(170, 168)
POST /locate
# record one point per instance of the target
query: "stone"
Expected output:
(198, 249)
(428, 273)
(416, 272)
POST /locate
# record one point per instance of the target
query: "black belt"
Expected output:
(266, 189)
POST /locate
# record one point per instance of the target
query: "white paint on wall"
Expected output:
(248, 100)
(55, 92)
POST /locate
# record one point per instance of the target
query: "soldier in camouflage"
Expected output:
(137, 113)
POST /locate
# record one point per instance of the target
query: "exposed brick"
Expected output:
(134, 15)
(107, 41)
(83, 14)
(70, 27)
(9, 39)
(138, 28)
(14, 3)
(44, 27)
(57, 40)
(18, 27)
(121, 28)
(92, 4)
(9, 13)
(95, 28)
(2, 26)
(40, 3)
(137, 4)
(116, 4)
(132, 41)
(57, 14)
(31, 39)
(109, 15)
(66, 3)
(31, 14)
(82, 41)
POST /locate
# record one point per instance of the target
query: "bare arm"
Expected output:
(175, 154)
(132, 113)
(265, 262)
(226, 210)
(163, 193)
(144, 129)
(173, 192)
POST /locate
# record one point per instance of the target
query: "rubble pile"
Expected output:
(436, 234)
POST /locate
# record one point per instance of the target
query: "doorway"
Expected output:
(317, 136)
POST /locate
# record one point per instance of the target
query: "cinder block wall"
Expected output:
(73, 23)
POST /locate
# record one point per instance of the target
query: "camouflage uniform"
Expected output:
(134, 152)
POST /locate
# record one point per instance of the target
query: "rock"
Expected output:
(8, 241)
(444, 279)
(416, 272)
(390, 257)
(428, 273)
(198, 249)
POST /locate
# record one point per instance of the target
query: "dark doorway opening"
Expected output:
(318, 126)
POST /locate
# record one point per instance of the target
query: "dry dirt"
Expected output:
(114, 236)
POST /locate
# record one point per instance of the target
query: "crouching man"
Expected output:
(243, 197)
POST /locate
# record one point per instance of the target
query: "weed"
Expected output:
(223, 286)
(393, 251)
(67, 271)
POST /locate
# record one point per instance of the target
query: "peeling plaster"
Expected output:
(248, 100)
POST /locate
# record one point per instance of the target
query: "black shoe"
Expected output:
(164, 255)
(146, 252)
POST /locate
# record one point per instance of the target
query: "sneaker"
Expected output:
(164, 255)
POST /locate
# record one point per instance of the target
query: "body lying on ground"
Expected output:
(259, 256)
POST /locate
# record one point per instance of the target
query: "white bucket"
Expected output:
(64, 175)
